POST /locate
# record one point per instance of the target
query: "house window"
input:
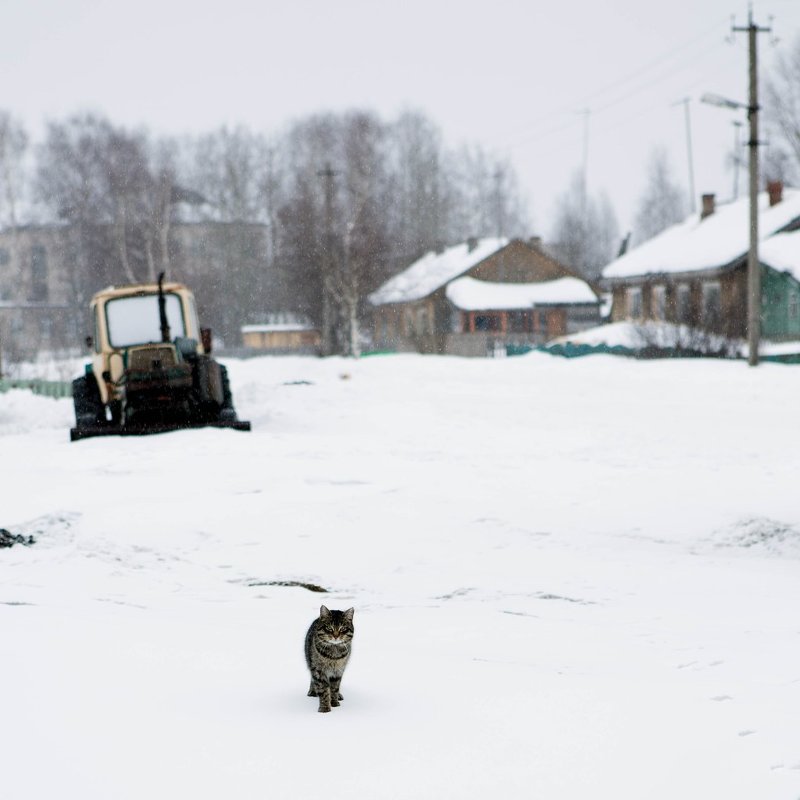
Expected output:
(793, 310)
(712, 303)
(5, 257)
(38, 273)
(658, 303)
(635, 302)
(684, 304)
(487, 322)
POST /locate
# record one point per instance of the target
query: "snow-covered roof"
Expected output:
(434, 270)
(470, 294)
(271, 327)
(782, 252)
(716, 241)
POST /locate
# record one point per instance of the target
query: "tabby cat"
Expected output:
(328, 644)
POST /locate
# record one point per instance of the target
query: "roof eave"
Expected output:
(685, 275)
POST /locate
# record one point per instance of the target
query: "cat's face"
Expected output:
(336, 627)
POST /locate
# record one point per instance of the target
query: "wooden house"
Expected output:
(479, 297)
(695, 273)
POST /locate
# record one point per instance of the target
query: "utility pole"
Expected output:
(327, 174)
(753, 266)
(584, 228)
(587, 112)
(498, 198)
(689, 156)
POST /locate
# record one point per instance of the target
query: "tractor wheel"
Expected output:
(89, 408)
(115, 410)
(226, 412)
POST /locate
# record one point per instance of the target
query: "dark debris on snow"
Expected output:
(8, 539)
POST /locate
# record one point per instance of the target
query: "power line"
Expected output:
(661, 59)
(643, 87)
(591, 101)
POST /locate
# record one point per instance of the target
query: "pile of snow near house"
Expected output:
(572, 578)
(634, 337)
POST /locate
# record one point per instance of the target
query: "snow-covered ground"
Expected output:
(572, 579)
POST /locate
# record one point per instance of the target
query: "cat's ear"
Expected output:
(324, 613)
(348, 615)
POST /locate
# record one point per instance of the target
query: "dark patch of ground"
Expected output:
(312, 587)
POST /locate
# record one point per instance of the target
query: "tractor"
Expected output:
(151, 369)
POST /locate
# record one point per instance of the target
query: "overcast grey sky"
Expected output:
(513, 75)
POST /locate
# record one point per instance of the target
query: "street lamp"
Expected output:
(753, 267)
(721, 102)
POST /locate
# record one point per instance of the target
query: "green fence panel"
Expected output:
(570, 350)
(55, 389)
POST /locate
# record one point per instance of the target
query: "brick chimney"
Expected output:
(535, 242)
(775, 192)
(709, 204)
(472, 243)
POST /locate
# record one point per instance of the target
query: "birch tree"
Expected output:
(662, 202)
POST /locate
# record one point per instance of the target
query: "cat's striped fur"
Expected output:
(328, 644)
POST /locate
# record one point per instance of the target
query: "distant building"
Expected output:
(479, 297)
(283, 334)
(36, 290)
(695, 273)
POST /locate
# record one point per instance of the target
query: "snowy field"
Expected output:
(572, 579)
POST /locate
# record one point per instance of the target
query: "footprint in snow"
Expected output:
(747, 733)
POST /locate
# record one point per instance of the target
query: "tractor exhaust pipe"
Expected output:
(162, 310)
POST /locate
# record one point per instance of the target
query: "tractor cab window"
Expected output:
(136, 320)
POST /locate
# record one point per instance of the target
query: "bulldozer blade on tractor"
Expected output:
(89, 431)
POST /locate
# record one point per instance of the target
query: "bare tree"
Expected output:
(227, 168)
(71, 185)
(305, 231)
(661, 203)
(363, 223)
(115, 190)
(267, 233)
(585, 232)
(339, 226)
(421, 210)
(783, 113)
(487, 196)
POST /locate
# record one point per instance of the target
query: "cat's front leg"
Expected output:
(336, 695)
(324, 694)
